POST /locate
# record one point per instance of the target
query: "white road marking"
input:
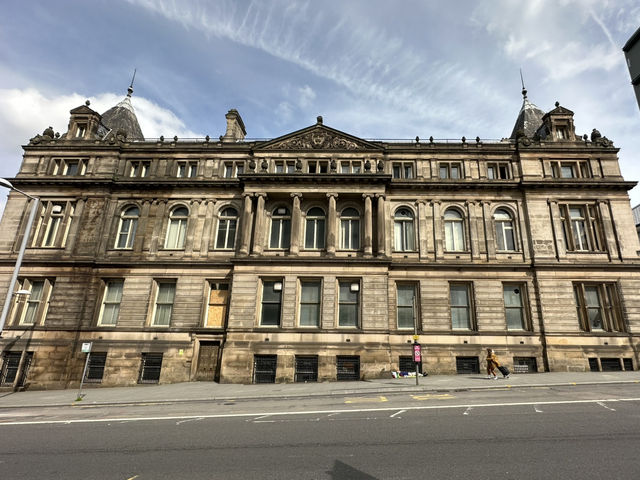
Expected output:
(467, 411)
(537, 409)
(605, 406)
(188, 420)
(397, 413)
(313, 412)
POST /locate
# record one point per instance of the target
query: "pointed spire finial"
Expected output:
(524, 90)
(130, 89)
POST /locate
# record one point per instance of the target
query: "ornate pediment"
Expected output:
(318, 137)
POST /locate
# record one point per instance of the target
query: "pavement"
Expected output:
(211, 391)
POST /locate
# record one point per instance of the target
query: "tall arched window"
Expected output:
(403, 230)
(453, 231)
(350, 229)
(314, 231)
(127, 227)
(227, 223)
(280, 228)
(177, 230)
(504, 230)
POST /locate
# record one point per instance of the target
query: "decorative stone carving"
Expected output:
(595, 135)
(317, 139)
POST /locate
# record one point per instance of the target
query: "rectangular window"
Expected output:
(406, 305)
(347, 367)
(571, 169)
(232, 169)
(353, 166)
(450, 170)
(306, 368)
(139, 168)
(514, 300)
(111, 302)
(318, 166)
(69, 167)
(53, 224)
(310, 303)
(187, 169)
(349, 303)
(165, 295)
(498, 171)
(271, 302)
(217, 304)
(10, 365)
(581, 227)
(150, 368)
(403, 170)
(81, 130)
(32, 309)
(284, 167)
(460, 304)
(598, 307)
(95, 368)
(264, 368)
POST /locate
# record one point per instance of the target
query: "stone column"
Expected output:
(421, 229)
(438, 230)
(331, 224)
(489, 231)
(368, 225)
(296, 222)
(247, 220)
(382, 227)
(259, 230)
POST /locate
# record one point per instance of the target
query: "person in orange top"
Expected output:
(492, 363)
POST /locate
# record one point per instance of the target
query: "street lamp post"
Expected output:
(23, 246)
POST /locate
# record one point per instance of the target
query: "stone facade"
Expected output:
(316, 255)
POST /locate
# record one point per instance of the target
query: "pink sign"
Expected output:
(417, 352)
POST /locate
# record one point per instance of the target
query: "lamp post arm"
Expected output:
(16, 270)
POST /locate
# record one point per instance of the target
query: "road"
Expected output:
(585, 432)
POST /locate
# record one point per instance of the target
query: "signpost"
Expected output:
(417, 358)
(86, 348)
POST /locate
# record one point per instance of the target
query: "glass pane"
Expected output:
(455, 171)
(320, 234)
(408, 171)
(309, 234)
(110, 314)
(406, 294)
(309, 315)
(508, 237)
(511, 298)
(592, 297)
(346, 295)
(405, 317)
(286, 233)
(458, 237)
(355, 234)
(567, 171)
(459, 295)
(448, 236)
(444, 172)
(310, 293)
(274, 241)
(348, 315)
(459, 317)
(491, 173)
(595, 318)
(514, 319)
(409, 236)
(166, 292)
(231, 238)
(163, 315)
(270, 314)
(269, 294)
(397, 235)
(37, 287)
(114, 292)
(500, 236)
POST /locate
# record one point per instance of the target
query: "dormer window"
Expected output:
(81, 130)
(561, 133)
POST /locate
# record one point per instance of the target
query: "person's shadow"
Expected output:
(342, 471)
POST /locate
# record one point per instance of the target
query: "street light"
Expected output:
(23, 246)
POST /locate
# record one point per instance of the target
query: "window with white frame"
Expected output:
(111, 299)
(403, 230)
(454, 231)
(450, 170)
(460, 305)
(271, 303)
(349, 303)
(177, 229)
(581, 227)
(350, 229)
(505, 237)
(314, 229)
(165, 296)
(280, 228)
(187, 169)
(231, 169)
(139, 168)
(227, 224)
(403, 170)
(406, 305)
(498, 171)
(598, 307)
(127, 227)
(53, 225)
(514, 295)
(32, 309)
(310, 294)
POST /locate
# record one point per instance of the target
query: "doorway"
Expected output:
(208, 356)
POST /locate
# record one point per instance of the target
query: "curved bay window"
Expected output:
(504, 230)
(350, 229)
(176, 233)
(227, 224)
(453, 231)
(280, 228)
(403, 231)
(314, 229)
(127, 227)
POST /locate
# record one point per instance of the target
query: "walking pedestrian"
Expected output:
(492, 363)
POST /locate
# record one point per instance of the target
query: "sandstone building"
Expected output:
(316, 255)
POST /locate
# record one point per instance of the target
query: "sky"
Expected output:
(372, 68)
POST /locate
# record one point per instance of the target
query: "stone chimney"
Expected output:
(235, 127)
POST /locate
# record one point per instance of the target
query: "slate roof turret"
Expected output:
(122, 117)
(529, 119)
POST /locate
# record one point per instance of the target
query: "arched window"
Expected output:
(453, 231)
(227, 223)
(403, 231)
(127, 227)
(177, 230)
(504, 230)
(280, 228)
(350, 229)
(314, 231)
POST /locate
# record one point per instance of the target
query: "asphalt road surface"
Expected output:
(530, 433)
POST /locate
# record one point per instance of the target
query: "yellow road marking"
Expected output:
(135, 476)
(366, 399)
(443, 396)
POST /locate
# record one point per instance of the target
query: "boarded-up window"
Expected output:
(217, 305)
